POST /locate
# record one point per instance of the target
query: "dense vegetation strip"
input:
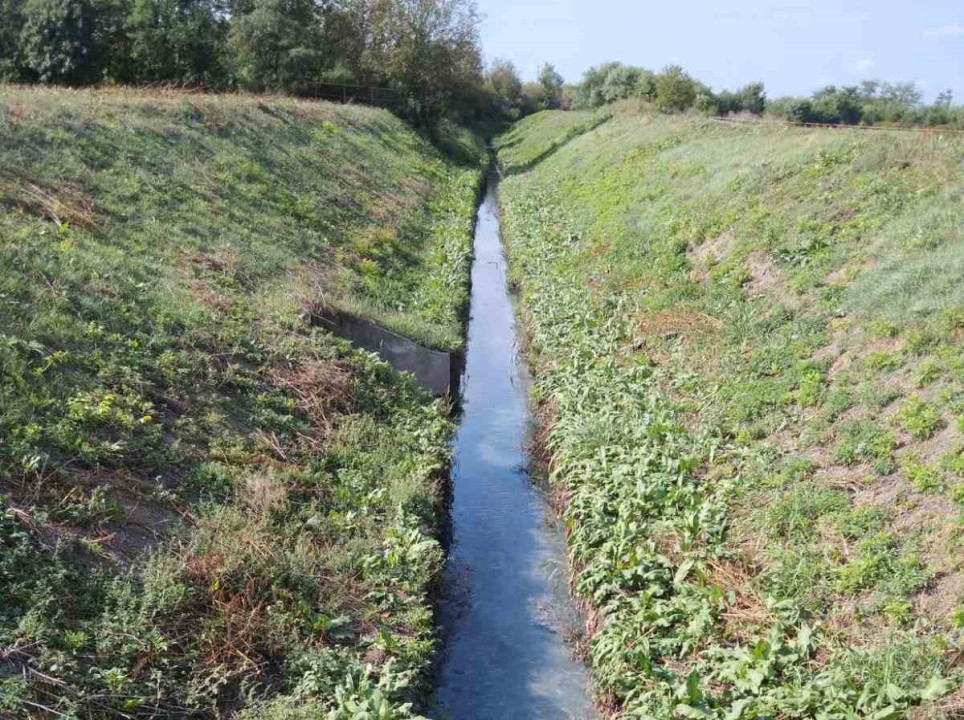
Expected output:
(672, 89)
(422, 59)
(747, 342)
(208, 503)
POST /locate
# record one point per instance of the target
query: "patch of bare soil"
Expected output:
(768, 280)
(710, 253)
(949, 707)
(145, 525)
(133, 518)
(837, 352)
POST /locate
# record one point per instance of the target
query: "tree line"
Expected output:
(673, 90)
(428, 51)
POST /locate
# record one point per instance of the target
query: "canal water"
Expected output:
(506, 611)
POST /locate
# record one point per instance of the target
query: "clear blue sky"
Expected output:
(793, 46)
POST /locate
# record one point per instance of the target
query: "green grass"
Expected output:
(209, 503)
(719, 320)
(536, 137)
(861, 441)
(919, 418)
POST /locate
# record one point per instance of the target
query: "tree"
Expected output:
(675, 90)
(614, 81)
(621, 82)
(708, 103)
(849, 107)
(276, 44)
(175, 40)
(11, 23)
(750, 98)
(753, 98)
(550, 88)
(590, 93)
(430, 50)
(503, 83)
(530, 102)
(802, 111)
(902, 94)
(869, 89)
(58, 41)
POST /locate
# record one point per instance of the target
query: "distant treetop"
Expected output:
(673, 90)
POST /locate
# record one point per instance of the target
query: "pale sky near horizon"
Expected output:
(793, 46)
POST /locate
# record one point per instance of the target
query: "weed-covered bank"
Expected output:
(747, 346)
(209, 505)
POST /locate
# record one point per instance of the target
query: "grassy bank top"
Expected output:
(209, 505)
(750, 342)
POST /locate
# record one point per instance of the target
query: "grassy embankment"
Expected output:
(749, 345)
(535, 138)
(209, 503)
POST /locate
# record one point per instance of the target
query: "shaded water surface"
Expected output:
(507, 610)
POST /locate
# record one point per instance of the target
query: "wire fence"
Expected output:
(878, 128)
(360, 94)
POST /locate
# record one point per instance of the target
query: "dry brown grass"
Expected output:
(949, 707)
(748, 611)
(321, 390)
(65, 204)
(677, 323)
(265, 494)
(25, 102)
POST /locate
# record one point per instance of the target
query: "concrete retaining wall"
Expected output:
(432, 369)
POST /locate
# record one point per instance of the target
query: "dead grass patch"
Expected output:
(66, 204)
(266, 495)
(949, 707)
(748, 611)
(321, 390)
(672, 323)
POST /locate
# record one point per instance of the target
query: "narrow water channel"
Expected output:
(506, 611)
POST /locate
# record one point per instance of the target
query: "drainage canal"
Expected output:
(506, 611)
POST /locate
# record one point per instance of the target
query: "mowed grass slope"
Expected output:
(210, 504)
(749, 346)
(536, 137)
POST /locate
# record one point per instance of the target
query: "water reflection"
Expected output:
(507, 611)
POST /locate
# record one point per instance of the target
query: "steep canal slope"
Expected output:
(749, 345)
(207, 502)
(506, 612)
